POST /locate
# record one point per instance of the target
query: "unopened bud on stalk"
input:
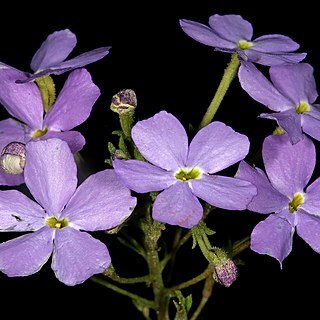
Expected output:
(125, 101)
(226, 271)
(13, 158)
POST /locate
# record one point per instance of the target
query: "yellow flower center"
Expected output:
(244, 45)
(53, 222)
(186, 174)
(39, 133)
(297, 200)
(303, 107)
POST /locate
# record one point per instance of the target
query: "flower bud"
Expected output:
(13, 158)
(226, 271)
(124, 101)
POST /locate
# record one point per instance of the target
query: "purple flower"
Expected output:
(291, 95)
(52, 54)
(24, 103)
(56, 224)
(282, 192)
(185, 173)
(231, 33)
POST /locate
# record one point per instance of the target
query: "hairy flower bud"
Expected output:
(124, 101)
(225, 270)
(13, 158)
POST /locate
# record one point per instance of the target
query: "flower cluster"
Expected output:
(155, 157)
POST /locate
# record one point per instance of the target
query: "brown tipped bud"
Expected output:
(124, 101)
(13, 158)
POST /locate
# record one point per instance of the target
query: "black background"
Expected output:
(168, 71)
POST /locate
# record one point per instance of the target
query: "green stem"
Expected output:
(229, 74)
(126, 121)
(152, 230)
(206, 294)
(240, 246)
(111, 273)
(207, 272)
(129, 294)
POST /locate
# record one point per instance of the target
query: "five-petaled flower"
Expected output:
(291, 95)
(231, 33)
(186, 173)
(282, 192)
(64, 211)
(23, 101)
(51, 57)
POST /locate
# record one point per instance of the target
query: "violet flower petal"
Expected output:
(311, 126)
(205, 35)
(314, 111)
(10, 130)
(177, 206)
(231, 27)
(273, 237)
(289, 167)
(273, 59)
(74, 103)
(216, 147)
(77, 256)
(295, 81)
(224, 192)
(101, 202)
(308, 228)
(261, 89)
(74, 139)
(162, 140)
(312, 201)
(53, 50)
(275, 43)
(50, 174)
(27, 254)
(22, 101)
(143, 177)
(19, 213)
(268, 199)
(289, 121)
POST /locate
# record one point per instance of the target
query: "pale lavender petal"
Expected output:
(295, 81)
(275, 43)
(101, 202)
(77, 256)
(54, 49)
(308, 228)
(162, 140)
(268, 199)
(311, 126)
(231, 27)
(224, 192)
(312, 199)
(74, 139)
(142, 177)
(205, 35)
(216, 147)
(273, 237)
(272, 59)
(289, 167)
(27, 254)
(19, 213)
(50, 173)
(22, 101)
(261, 89)
(289, 121)
(74, 103)
(177, 206)
(10, 130)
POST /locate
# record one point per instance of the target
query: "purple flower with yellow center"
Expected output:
(57, 222)
(51, 57)
(231, 33)
(283, 192)
(186, 173)
(291, 95)
(24, 102)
